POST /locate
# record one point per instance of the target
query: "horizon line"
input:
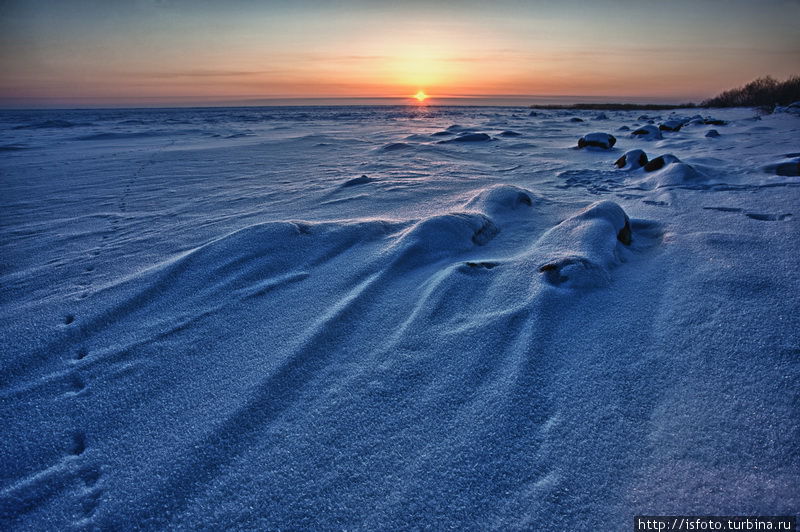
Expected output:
(343, 101)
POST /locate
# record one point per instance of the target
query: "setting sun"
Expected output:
(421, 96)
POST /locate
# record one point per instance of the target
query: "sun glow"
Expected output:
(421, 96)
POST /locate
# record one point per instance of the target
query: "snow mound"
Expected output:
(500, 199)
(582, 250)
(667, 170)
(632, 160)
(440, 236)
(676, 174)
(600, 140)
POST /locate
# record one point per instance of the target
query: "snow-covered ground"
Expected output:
(211, 320)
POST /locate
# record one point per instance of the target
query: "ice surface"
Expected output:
(323, 319)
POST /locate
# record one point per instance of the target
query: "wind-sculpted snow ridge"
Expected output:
(266, 260)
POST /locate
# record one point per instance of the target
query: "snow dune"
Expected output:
(336, 322)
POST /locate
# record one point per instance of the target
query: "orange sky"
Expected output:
(180, 52)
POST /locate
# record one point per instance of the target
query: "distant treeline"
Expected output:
(763, 92)
(616, 106)
(766, 92)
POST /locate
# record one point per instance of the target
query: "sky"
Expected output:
(196, 52)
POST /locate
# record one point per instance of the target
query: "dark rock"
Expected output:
(358, 181)
(655, 164)
(712, 133)
(790, 168)
(624, 234)
(509, 133)
(659, 162)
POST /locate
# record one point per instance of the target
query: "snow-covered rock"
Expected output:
(597, 140)
(671, 125)
(647, 132)
(632, 160)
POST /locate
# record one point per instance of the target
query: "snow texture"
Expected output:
(324, 319)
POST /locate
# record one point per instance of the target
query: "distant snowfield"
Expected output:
(377, 319)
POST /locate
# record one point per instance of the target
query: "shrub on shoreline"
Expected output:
(762, 92)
